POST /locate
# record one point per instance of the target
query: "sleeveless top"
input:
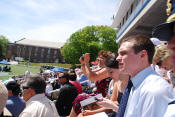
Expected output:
(102, 86)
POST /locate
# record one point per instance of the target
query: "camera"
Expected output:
(96, 99)
(82, 58)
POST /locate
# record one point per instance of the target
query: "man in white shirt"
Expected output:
(150, 93)
(37, 104)
(166, 32)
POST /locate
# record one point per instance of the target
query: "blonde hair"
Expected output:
(162, 53)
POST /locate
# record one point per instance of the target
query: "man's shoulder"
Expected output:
(155, 84)
(67, 85)
(13, 99)
(34, 106)
(157, 80)
(10, 102)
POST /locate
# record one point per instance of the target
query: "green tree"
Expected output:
(90, 39)
(3, 45)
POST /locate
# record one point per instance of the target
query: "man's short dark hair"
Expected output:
(37, 83)
(72, 76)
(14, 87)
(66, 75)
(141, 42)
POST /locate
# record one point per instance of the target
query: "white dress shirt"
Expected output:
(149, 96)
(39, 106)
(170, 111)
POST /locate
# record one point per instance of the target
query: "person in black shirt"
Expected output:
(66, 95)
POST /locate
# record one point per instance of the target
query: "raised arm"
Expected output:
(92, 75)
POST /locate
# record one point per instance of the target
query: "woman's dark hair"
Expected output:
(37, 83)
(111, 62)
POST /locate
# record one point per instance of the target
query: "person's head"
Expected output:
(162, 57)
(34, 84)
(72, 76)
(102, 55)
(71, 71)
(112, 65)
(166, 31)
(3, 96)
(13, 88)
(135, 53)
(63, 78)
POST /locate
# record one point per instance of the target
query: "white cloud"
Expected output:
(53, 20)
(59, 32)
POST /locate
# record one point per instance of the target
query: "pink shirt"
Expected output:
(77, 85)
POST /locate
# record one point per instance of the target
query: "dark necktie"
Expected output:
(124, 100)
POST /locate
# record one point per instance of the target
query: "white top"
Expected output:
(49, 88)
(39, 106)
(170, 111)
(149, 96)
(111, 87)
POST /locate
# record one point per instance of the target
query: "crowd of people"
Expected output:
(138, 81)
(5, 68)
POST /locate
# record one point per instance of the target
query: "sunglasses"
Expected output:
(25, 87)
(61, 77)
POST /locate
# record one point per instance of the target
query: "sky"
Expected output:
(52, 20)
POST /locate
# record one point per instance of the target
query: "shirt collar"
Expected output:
(35, 98)
(140, 77)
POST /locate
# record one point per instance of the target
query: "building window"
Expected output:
(131, 10)
(9, 52)
(48, 56)
(42, 52)
(48, 51)
(42, 55)
(18, 51)
(123, 21)
(126, 18)
(55, 52)
(24, 51)
(34, 60)
(57, 60)
(36, 51)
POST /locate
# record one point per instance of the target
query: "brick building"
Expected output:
(35, 51)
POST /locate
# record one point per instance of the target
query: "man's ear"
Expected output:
(143, 53)
(32, 91)
(10, 93)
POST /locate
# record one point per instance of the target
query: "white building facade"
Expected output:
(138, 17)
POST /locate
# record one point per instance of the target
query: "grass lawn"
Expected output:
(34, 68)
(20, 70)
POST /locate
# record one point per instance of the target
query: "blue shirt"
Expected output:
(83, 78)
(15, 105)
(149, 96)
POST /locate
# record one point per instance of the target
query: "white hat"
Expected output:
(47, 72)
(155, 41)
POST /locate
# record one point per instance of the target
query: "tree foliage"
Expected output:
(90, 39)
(3, 45)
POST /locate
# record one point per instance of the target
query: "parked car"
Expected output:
(47, 67)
